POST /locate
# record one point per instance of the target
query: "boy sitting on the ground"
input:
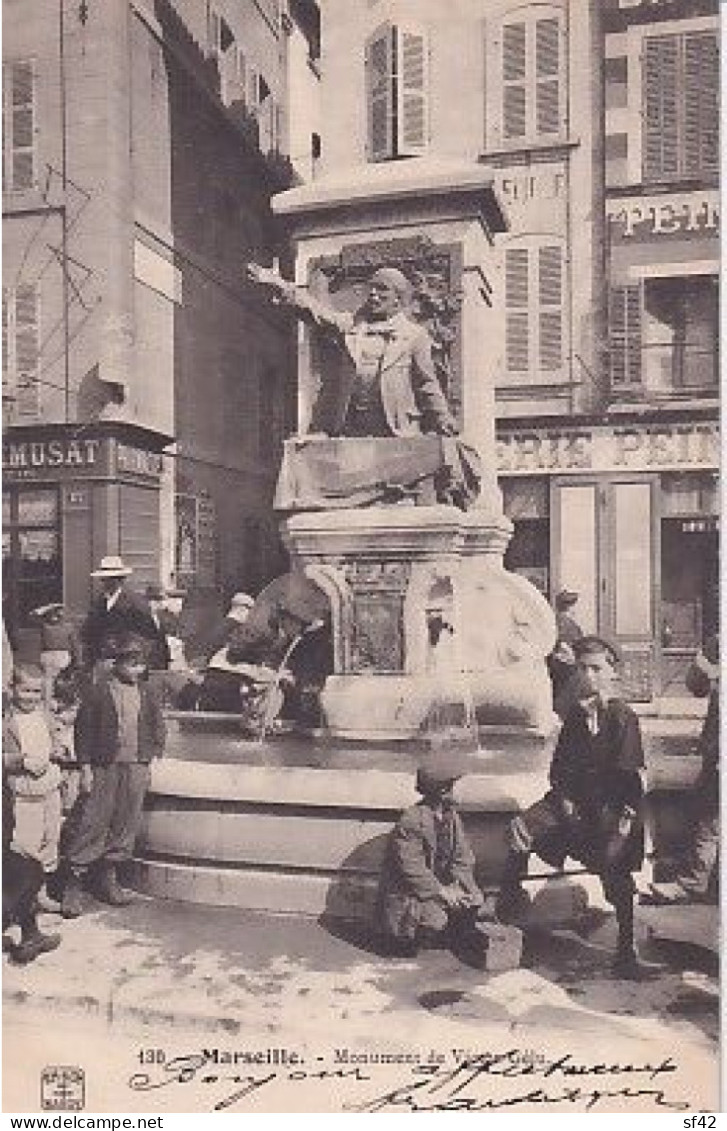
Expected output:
(594, 809)
(428, 893)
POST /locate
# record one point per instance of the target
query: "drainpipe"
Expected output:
(117, 332)
(65, 295)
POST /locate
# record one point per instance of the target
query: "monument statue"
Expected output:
(393, 389)
(389, 391)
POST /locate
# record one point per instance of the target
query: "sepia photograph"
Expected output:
(361, 497)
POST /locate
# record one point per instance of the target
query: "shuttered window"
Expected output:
(681, 106)
(19, 126)
(550, 315)
(518, 319)
(534, 288)
(514, 68)
(396, 67)
(547, 77)
(533, 88)
(625, 306)
(21, 350)
(412, 109)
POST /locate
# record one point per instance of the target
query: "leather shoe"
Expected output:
(31, 948)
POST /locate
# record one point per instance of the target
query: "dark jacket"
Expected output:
(702, 679)
(97, 725)
(604, 769)
(129, 614)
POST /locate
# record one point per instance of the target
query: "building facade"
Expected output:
(147, 386)
(599, 122)
(621, 501)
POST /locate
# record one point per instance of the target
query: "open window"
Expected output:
(397, 92)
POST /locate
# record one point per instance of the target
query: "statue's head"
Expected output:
(389, 292)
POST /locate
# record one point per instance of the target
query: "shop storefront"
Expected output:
(626, 514)
(72, 494)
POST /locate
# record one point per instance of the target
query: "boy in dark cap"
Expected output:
(428, 893)
(119, 729)
(594, 809)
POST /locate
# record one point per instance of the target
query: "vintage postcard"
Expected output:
(360, 557)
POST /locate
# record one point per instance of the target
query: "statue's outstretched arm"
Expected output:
(290, 295)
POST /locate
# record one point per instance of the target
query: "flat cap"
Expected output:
(592, 645)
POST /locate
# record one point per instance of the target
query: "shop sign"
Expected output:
(137, 461)
(632, 447)
(652, 218)
(34, 459)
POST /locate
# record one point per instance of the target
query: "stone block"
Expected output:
(500, 947)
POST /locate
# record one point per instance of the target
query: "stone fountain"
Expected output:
(433, 642)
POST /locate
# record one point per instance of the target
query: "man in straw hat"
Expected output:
(119, 730)
(117, 610)
(428, 894)
(392, 388)
(594, 810)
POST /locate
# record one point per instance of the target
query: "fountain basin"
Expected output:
(299, 824)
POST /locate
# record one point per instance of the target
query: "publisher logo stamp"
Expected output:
(62, 1088)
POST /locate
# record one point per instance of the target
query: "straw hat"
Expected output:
(112, 566)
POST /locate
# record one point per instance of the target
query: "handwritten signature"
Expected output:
(482, 1082)
(461, 1088)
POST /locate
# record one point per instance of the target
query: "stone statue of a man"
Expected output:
(392, 387)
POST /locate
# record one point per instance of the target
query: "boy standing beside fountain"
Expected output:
(119, 730)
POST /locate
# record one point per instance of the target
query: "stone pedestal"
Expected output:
(433, 640)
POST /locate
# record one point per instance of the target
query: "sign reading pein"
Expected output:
(635, 219)
(631, 447)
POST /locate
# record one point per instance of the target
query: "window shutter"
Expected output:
(7, 380)
(514, 67)
(517, 343)
(412, 91)
(625, 336)
(547, 76)
(379, 68)
(27, 348)
(701, 103)
(661, 107)
(550, 294)
(19, 126)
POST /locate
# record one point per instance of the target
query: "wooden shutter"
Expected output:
(19, 126)
(379, 68)
(661, 107)
(550, 314)
(701, 103)
(547, 77)
(514, 72)
(27, 349)
(412, 91)
(517, 325)
(625, 336)
(8, 382)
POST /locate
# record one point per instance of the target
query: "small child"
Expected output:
(60, 645)
(594, 809)
(33, 778)
(119, 729)
(428, 893)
